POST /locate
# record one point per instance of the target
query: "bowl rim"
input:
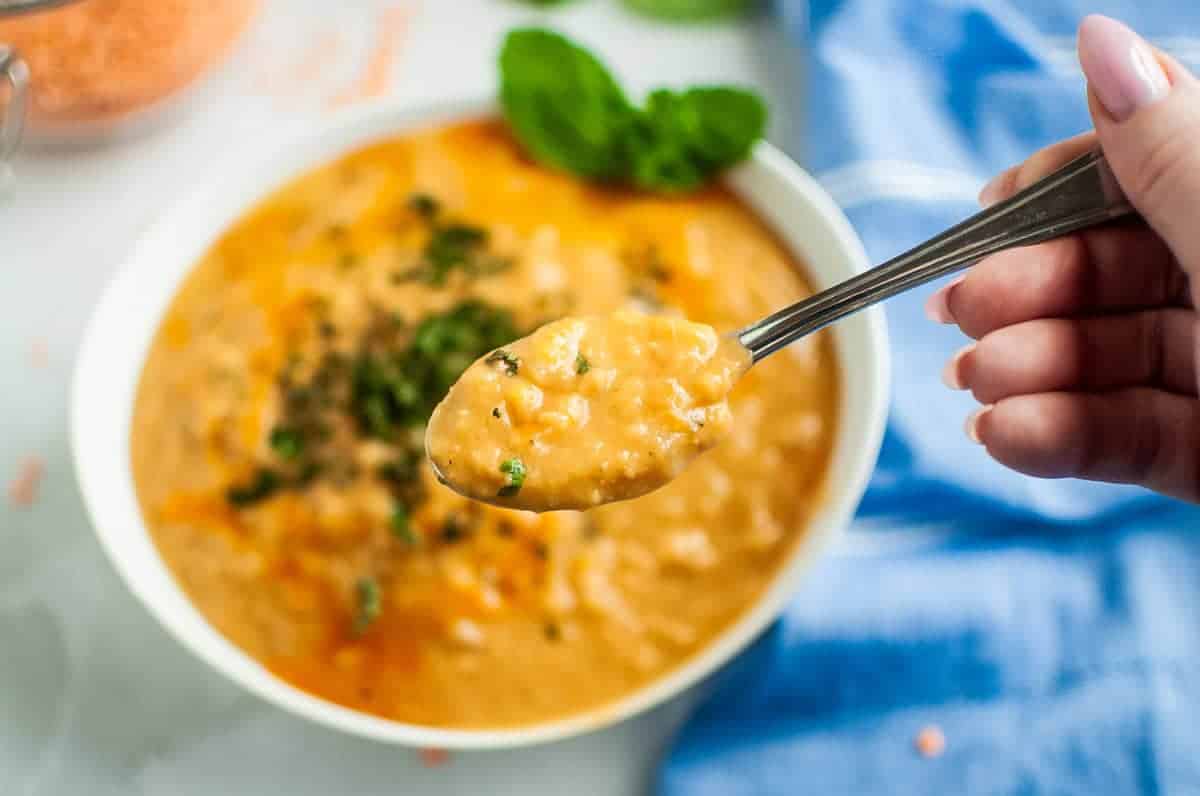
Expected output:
(100, 441)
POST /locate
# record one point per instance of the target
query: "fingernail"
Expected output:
(937, 308)
(1120, 66)
(973, 423)
(952, 374)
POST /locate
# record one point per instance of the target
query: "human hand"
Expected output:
(1085, 352)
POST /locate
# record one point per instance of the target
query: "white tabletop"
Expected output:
(94, 696)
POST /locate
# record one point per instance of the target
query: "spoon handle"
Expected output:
(1084, 193)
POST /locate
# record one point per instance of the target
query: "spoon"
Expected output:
(1084, 193)
(624, 444)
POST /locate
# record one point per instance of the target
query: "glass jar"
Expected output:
(103, 67)
(14, 82)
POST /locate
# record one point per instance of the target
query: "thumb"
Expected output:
(1146, 109)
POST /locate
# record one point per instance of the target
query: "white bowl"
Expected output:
(128, 315)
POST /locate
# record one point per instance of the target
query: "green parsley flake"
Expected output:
(514, 471)
(453, 530)
(399, 389)
(266, 483)
(423, 205)
(511, 363)
(370, 604)
(401, 529)
(288, 443)
(582, 365)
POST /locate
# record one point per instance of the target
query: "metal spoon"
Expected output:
(1082, 194)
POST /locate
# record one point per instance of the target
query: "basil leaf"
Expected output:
(569, 113)
(564, 106)
(685, 138)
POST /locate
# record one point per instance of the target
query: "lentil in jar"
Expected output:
(102, 61)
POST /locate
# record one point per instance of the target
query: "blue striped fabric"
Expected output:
(1051, 629)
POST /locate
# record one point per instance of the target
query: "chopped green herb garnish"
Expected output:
(582, 365)
(369, 598)
(453, 530)
(423, 205)
(288, 443)
(510, 363)
(403, 470)
(297, 398)
(569, 112)
(553, 631)
(452, 246)
(400, 526)
(308, 472)
(496, 412)
(388, 387)
(398, 390)
(514, 471)
(452, 241)
(489, 266)
(266, 483)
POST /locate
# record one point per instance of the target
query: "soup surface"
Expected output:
(586, 411)
(279, 429)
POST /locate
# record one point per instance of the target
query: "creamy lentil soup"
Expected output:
(279, 428)
(586, 411)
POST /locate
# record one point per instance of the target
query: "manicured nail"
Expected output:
(1121, 67)
(937, 308)
(973, 423)
(952, 375)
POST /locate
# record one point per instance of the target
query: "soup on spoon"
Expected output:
(586, 411)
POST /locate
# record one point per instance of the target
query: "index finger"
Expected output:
(1038, 165)
(1117, 268)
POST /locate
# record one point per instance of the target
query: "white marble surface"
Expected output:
(94, 697)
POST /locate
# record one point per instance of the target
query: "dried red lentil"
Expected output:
(100, 60)
(433, 757)
(376, 78)
(23, 490)
(930, 741)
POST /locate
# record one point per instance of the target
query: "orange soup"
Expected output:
(278, 436)
(586, 411)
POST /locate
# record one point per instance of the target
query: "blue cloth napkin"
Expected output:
(1051, 629)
